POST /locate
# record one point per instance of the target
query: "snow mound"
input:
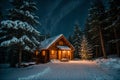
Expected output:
(112, 63)
(28, 63)
(55, 61)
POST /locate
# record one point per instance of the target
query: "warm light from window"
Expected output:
(43, 53)
(52, 52)
(60, 43)
(36, 52)
(63, 51)
(68, 52)
(59, 53)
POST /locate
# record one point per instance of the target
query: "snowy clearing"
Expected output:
(56, 70)
(111, 63)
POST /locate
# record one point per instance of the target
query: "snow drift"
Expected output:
(112, 63)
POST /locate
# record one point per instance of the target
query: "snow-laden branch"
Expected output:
(18, 25)
(12, 41)
(25, 38)
(15, 40)
(36, 41)
(27, 48)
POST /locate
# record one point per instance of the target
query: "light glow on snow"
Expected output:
(56, 70)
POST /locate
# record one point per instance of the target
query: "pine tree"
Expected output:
(18, 33)
(113, 23)
(77, 39)
(96, 25)
(86, 49)
(24, 11)
(1, 15)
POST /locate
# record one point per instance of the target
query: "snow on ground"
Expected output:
(55, 61)
(56, 70)
(28, 63)
(112, 63)
(23, 73)
(35, 76)
(72, 61)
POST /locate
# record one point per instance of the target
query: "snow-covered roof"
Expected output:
(63, 47)
(48, 42)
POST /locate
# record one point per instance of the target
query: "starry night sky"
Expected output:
(59, 16)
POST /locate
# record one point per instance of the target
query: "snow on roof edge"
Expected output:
(63, 47)
(69, 42)
(49, 44)
(54, 40)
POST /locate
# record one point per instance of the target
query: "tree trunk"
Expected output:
(20, 57)
(102, 43)
(117, 44)
(96, 51)
(12, 60)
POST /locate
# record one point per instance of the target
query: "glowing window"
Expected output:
(43, 53)
(68, 52)
(61, 43)
(36, 52)
(63, 51)
(52, 52)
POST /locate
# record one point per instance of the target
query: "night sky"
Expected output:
(59, 16)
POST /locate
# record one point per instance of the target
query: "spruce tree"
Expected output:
(96, 24)
(86, 49)
(77, 39)
(24, 10)
(113, 23)
(18, 33)
(1, 14)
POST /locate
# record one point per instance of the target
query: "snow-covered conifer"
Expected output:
(24, 11)
(96, 24)
(19, 30)
(77, 39)
(86, 49)
(113, 25)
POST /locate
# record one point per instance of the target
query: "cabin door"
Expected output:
(66, 54)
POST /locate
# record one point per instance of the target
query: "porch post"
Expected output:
(61, 54)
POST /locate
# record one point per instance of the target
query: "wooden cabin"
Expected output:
(57, 47)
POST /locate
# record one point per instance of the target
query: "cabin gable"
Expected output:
(62, 41)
